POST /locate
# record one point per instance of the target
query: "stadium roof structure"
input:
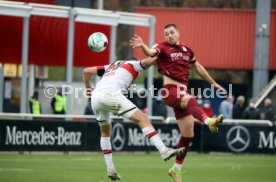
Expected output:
(103, 17)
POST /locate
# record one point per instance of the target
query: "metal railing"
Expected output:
(266, 90)
(109, 18)
(28, 116)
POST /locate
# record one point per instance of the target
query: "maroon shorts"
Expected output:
(172, 95)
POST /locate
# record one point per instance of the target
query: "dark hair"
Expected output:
(170, 25)
(35, 93)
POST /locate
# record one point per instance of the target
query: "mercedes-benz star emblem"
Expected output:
(118, 137)
(238, 138)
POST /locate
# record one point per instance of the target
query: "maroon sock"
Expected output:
(195, 110)
(183, 142)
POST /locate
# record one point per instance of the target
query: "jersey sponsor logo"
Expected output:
(178, 56)
(238, 138)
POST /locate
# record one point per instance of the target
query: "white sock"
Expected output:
(107, 150)
(207, 120)
(150, 133)
(178, 166)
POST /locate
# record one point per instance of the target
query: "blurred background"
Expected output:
(223, 34)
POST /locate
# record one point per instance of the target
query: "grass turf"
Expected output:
(135, 168)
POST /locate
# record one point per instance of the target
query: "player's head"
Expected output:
(36, 95)
(171, 34)
(267, 102)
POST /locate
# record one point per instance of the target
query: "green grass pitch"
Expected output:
(135, 167)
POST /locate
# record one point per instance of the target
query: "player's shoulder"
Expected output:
(119, 61)
(136, 64)
(185, 47)
(132, 62)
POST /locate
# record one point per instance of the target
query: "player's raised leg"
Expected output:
(190, 104)
(213, 123)
(142, 120)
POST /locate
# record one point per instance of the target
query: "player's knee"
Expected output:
(191, 135)
(188, 134)
(105, 130)
(105, 134)
(139, 116)
(142, 117)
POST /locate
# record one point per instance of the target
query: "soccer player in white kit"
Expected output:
(108, 98)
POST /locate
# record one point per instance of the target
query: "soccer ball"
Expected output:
(97, 42)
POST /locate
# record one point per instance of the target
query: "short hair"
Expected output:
(36, 93)
(170, 25)
(241, 98)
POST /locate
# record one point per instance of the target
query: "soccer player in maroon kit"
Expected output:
(174, 61)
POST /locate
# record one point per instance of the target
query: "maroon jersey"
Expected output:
(174, 60)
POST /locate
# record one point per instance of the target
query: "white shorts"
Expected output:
(108, 101)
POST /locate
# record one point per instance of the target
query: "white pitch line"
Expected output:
(15, 170)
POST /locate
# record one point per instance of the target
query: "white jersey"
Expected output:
(108, 96)
(119, 75)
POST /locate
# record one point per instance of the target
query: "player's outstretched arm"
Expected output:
(137, 41)
(205, 75)
(87, 72)
(148, 62)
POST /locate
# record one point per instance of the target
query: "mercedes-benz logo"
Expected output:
(238, 138)
(118, 137)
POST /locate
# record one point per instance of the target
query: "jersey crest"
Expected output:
(184, 49)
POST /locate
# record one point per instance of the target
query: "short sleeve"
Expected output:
(158, 47)
(137, 66)
(101, 70)
(192, 55)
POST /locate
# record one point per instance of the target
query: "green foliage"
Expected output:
(56, 73)
(140, 79)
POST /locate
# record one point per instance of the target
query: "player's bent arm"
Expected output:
(149, 51)
(203, 73)
(87, 72)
